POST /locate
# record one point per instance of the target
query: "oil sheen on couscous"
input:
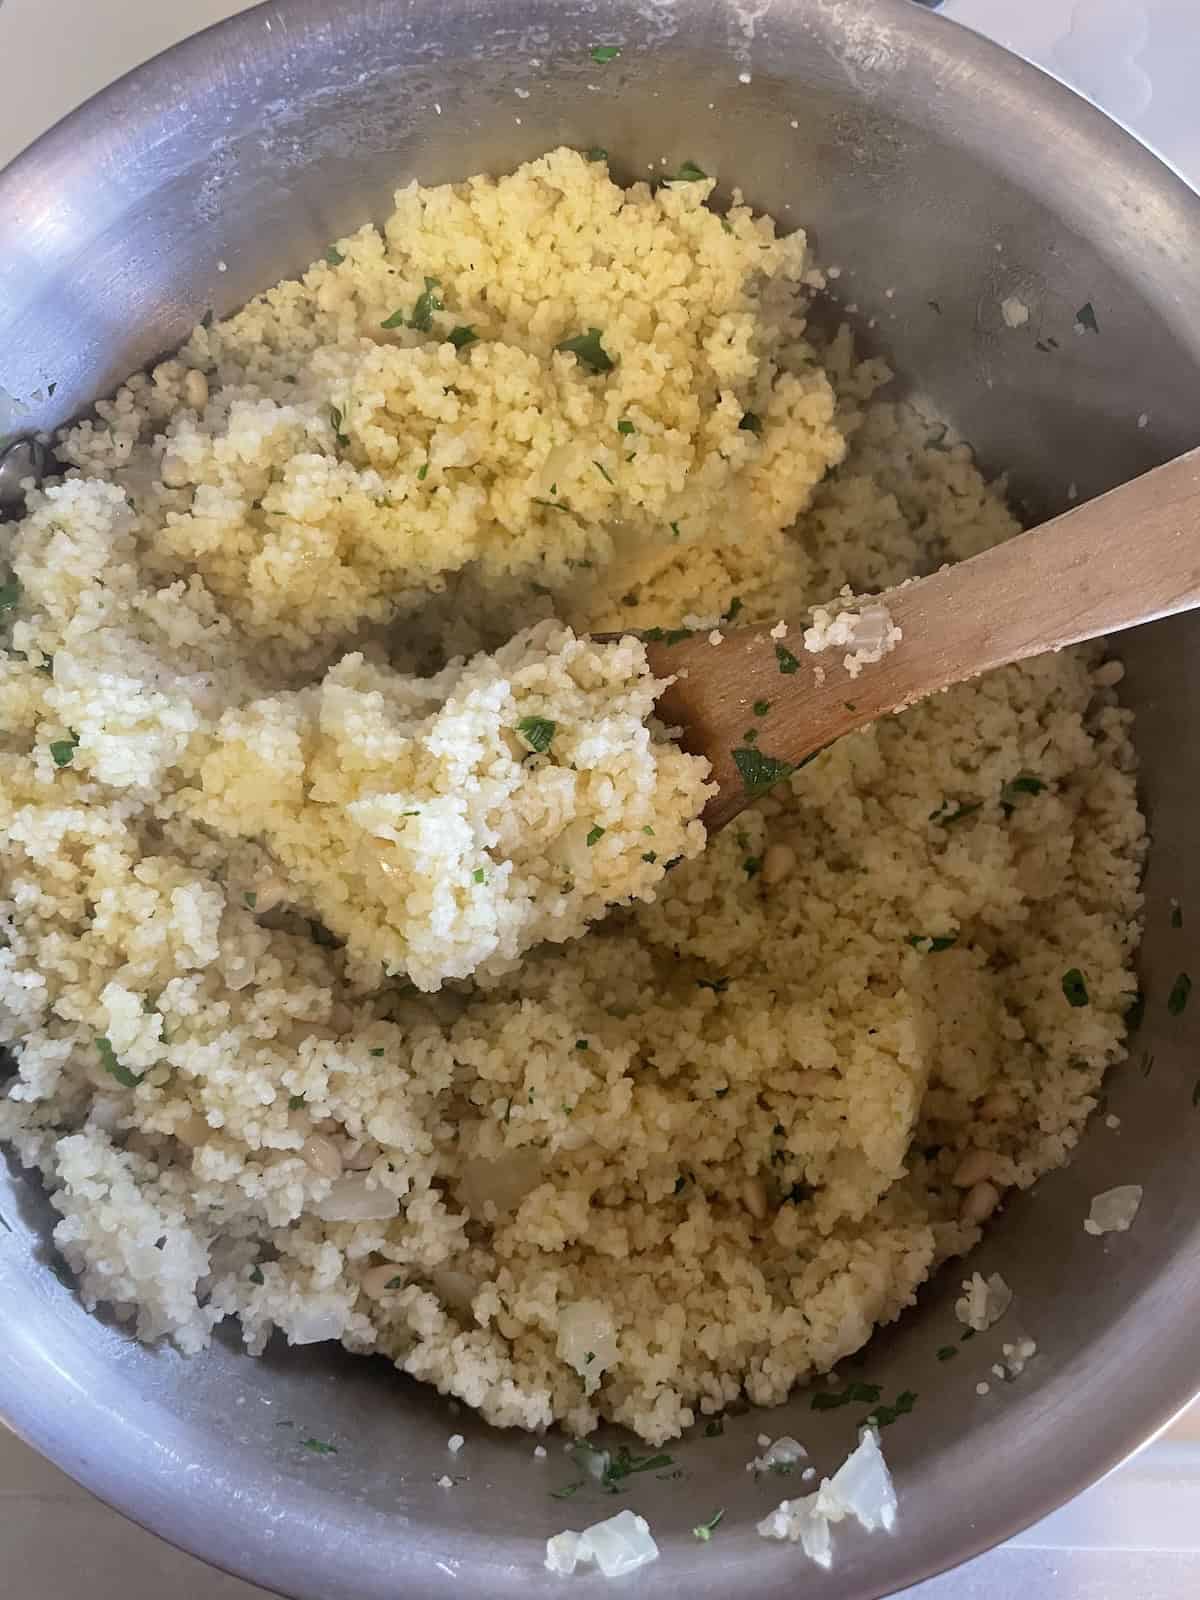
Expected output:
(272, 784)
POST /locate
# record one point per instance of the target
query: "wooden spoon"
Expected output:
(1128, 557)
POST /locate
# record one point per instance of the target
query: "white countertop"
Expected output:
(1137, 1533)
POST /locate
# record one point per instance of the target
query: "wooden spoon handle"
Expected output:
(1126, 558)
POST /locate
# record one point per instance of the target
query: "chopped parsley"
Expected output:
(623, 1464)
(751, 422)
(704, 1530)
(551, 505)
(1074, 987)
(603, 471)
(537, 733)
(751, 866)
(336, 419)
(1023, 783)
(479, 876)
(760, 772)
(256, 1275)
(714, 1429)
(787, 661)
(689, 172)
(588, 351)
(947, 1352)
(735, 605)
(650, 856)
(750, 735)
(884, 1416)
(62, 751)
(626, 427)
(932, 943)
(318, 1447)
(567, 1490)
(1178, 997)
(108, 1060)
(595, 834)
(1085, 318)
(648, 831)
(717, 985)
(423, 472)
(674, 527)
(428, 301)
(334, 256)
(761, 707)
(602, 54)
(250, 899)
(295, 1101)
(582, 1044)
(377, 1051)
(395, 1283)
(946, 814)
(597, 153)
(865, 1394)
(462, 336)
(10, 594)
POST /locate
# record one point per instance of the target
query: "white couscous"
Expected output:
(272, 784)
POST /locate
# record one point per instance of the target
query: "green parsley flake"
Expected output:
(318, 1447)
(947, 1352)
(428, 301)
(334, 256)
(602, 54)
(1085, 318)
(751, 422)
(625, 426)
(251, 900)
(462, 336)
(582, 1044)
(588, 351)
(751, 866)
(648, 831)
(567, 1490)
(932, 943)
(108, 1060)
(597, 153)
(595, 834)
(62, 751)
(717, 985)
(714, 1429)
(704, 1530)
(760, 772)
(787, 661)
(750, 735)
(865, 1394)
(256, 1275)
(394, 1283)
(603, 471)
(423, 472)
(10, 595)
(479, 875)
(295, 1102)
(650, 856)
(1178, 997)
(537, 733)
(689, 172)
(1074, 987)
(884, 1416)
(761, 707)
(674, 527)
(396, 320)
(377, 1051)
(623, 1464)
(336, 419)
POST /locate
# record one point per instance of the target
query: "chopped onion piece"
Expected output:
(778, 1457)
(802, 1522)
(586, 1337)
(350, 1200)
(861, 1487)
(618, 1545)
(984, 1301)
(1114, 1210)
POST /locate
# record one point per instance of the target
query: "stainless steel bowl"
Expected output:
(927, 162)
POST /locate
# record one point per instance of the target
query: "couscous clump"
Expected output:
(702, 1150)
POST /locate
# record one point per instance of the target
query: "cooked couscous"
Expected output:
(698, 1152)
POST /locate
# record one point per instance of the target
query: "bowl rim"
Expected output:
(202, 1512)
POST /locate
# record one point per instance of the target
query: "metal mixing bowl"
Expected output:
(926, 162)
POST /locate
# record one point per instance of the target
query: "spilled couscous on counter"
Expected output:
(311, 782)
